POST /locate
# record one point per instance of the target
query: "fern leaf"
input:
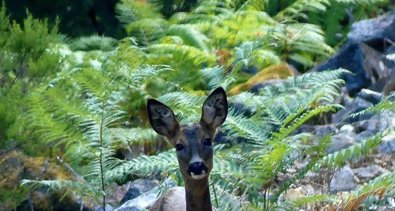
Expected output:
(340, 157)
(190, 36)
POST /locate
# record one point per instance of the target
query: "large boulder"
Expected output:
(373, 30)
(361, 52)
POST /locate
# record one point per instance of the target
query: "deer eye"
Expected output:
(207, 142)
(179, 147)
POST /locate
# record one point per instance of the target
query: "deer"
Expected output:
(194, 148)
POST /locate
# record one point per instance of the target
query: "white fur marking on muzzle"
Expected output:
(199, 176)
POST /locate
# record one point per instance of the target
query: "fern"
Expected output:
(385, 104)
(178, 53)
(68, 186)
(287, 130)
(254, 5)
(129, 11)
(377, 186)
(353, 152)
(144, 166)
(307, 200)
(297, 9)
(81, 126)
(93, 43)
(216, 77)
(190, 36)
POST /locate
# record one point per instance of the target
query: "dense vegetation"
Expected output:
(81, 102)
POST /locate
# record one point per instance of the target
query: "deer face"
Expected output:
(193, 142)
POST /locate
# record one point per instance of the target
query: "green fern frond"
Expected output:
(353, 152)
(180, 53)
(50, 130)
(190, 36)
(254, 5)
(253, 54)
(147, 31)
(299, 40)
(384, 105)
(92, 82)
(378, 186)
(68, 186)
(96, 164)
(225, 200)
(130, 10)
(316, 153)
(128, 136)
(164, 162)
(328, 82)
(299, 7)
(217, 77)
(266, 165)
(240, 126)
(185, 105)
(144, 74)
(286, 130)
(363, 2)
(93, 43)
(307, 200)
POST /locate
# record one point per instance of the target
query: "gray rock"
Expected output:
(322, 130)
(360, 137)
(340, 141)
(145, 200)
(347, 129)
(138, 187)
(108, 208)
(369, 172)
(140, 203)
(133, 209)
(378, 122)
(351, 56)
(388, 144)
(343, 180)
(318, 130)
(374, 29)
(371, 96)
(357, 105)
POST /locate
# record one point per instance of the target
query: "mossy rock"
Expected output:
(15, 166)
(280, 71)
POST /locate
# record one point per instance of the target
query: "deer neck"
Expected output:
(197, 195)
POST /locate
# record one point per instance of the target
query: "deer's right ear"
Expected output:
(162, 118)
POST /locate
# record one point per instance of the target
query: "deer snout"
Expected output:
(197, 170)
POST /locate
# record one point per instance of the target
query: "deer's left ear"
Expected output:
(215, 109)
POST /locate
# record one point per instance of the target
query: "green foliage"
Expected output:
(28, 56)
(380, 188)
(84, 101)
(78, 115)
(339, 158)
(12, 197)
(93, 43)
(24, 45)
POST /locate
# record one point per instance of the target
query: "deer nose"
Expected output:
(196, 168)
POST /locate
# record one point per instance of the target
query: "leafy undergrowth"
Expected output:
(83, 102)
